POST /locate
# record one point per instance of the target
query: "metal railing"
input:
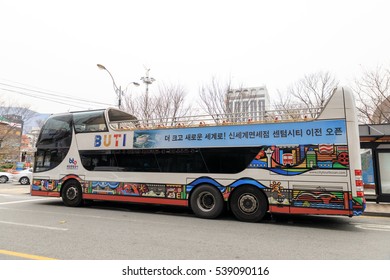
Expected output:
(291, 115)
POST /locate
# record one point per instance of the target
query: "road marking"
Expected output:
(24, 256)
(26, 200)
(373, 227)
(369, 217)
(34, 226)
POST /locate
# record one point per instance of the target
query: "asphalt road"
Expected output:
(39, 228)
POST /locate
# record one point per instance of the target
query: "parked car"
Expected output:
(5, 177)
(23, 176)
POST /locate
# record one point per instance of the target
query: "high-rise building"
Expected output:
(247, 104)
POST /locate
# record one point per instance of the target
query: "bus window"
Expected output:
(56, 132)
(206, 160)
(53, 143)
(92, 121)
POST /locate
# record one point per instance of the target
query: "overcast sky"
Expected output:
(55, 45)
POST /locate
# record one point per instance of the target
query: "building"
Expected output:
(375, 155)
(11, 128)
(247, 104)
(27, 149)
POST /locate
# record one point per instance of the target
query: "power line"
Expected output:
(48, 95)
(55, 95)
(40, 97)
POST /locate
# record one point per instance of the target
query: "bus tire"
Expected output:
(207, 202)
(72, 194)
(248, 204)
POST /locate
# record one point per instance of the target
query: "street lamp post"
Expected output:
(147, 81)
(118, 90)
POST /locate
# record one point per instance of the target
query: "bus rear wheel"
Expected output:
(72, 194)
(206, 202)
(248, 204)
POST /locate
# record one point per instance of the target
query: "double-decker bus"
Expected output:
(280, 166)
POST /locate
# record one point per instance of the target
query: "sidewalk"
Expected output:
(374, 209)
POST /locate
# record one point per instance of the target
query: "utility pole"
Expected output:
(118, 90)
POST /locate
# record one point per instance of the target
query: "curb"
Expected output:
(376, 214)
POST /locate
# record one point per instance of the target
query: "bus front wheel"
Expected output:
(248, 204)
(207, 202)
(72, 194)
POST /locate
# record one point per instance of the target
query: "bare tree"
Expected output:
(12, 118)
(286, 109)
(16, 114)
(372, 91)
(223, 103)
(145, 106)
(170, 105)
(165, 109)
(139, 105)
(130, 105)
(39, 123)
(213, 97)
(308, 94)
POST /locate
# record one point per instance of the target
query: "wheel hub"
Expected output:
(206, 201)
(71, 193)
(248, 203)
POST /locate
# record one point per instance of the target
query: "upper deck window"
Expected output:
(92, 121)
(121, 120)
(53, 143)
(56, 132)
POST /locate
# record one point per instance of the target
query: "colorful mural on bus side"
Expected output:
(296, 159)
(289, 160)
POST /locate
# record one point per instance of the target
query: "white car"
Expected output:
(23, 176)
(5, 177)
